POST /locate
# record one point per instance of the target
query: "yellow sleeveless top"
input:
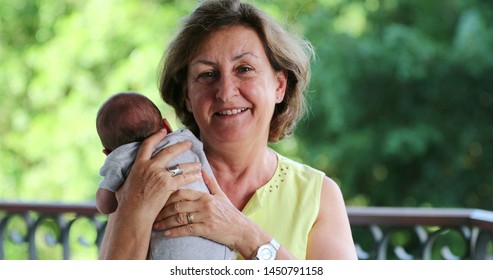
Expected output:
(288, 204)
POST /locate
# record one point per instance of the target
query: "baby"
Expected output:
(122, 122)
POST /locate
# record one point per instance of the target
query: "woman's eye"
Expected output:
(244, 69)
(207, 75)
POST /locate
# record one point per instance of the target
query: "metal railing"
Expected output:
(49, 230)
(422, 233)
(62, 231)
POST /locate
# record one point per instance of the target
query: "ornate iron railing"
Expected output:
(50, 231)
(421, 233)
(63, 231)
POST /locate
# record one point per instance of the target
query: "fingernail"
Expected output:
(167, 233)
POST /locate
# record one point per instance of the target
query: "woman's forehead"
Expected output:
(231, 43)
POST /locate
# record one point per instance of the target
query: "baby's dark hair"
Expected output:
(127, 117)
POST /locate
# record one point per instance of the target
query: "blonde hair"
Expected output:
(285, 51)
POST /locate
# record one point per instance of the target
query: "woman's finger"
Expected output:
(214, 187)
(166, 154)
(180, 219)
(148, 145)
(211, 183)
(193, 229)
(185, 194)
(190, 174)
(179, 201)
(189, 167)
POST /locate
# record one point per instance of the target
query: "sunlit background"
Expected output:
(401, 98)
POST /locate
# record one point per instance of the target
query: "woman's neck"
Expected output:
(241, 171)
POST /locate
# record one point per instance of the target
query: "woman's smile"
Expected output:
(231, 112)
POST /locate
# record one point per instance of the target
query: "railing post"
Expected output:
(3, 229)
(479, 247)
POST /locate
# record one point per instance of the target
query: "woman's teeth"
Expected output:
(231, 112)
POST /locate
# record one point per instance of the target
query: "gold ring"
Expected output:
(190, 218)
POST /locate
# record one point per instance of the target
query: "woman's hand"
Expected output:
(149, 184)
(213, 216)
(141, 198)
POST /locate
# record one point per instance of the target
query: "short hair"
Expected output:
(284, 50)
(127, 117)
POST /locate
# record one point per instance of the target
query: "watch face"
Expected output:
(266, 253)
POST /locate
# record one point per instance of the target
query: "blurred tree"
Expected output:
(59, 61)
(402, 101)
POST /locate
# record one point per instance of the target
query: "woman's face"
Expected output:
(231, 87)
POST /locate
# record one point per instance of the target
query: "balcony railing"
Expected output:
(422, 233)
(63, 231)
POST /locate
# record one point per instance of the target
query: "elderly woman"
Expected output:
(235, 78)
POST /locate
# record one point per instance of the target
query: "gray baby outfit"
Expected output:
(114, 172)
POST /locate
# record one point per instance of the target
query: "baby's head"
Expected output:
(127, 117)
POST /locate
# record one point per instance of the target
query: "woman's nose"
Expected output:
(227, 87)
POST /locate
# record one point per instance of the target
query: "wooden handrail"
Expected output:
(49, 208)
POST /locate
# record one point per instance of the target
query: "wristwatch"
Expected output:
(268, 251)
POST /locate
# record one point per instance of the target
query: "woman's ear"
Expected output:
(282, 79)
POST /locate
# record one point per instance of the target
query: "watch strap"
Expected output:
(272, 247)
(275, 244)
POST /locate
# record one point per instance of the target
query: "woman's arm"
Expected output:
(330, 237)
(126, 238)
(141, 198)
(104, 243)
(215, 218)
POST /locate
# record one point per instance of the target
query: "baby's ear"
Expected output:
(106, 151)
(167, 126)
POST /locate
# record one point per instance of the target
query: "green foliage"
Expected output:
(60, 60)
(403, 109)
